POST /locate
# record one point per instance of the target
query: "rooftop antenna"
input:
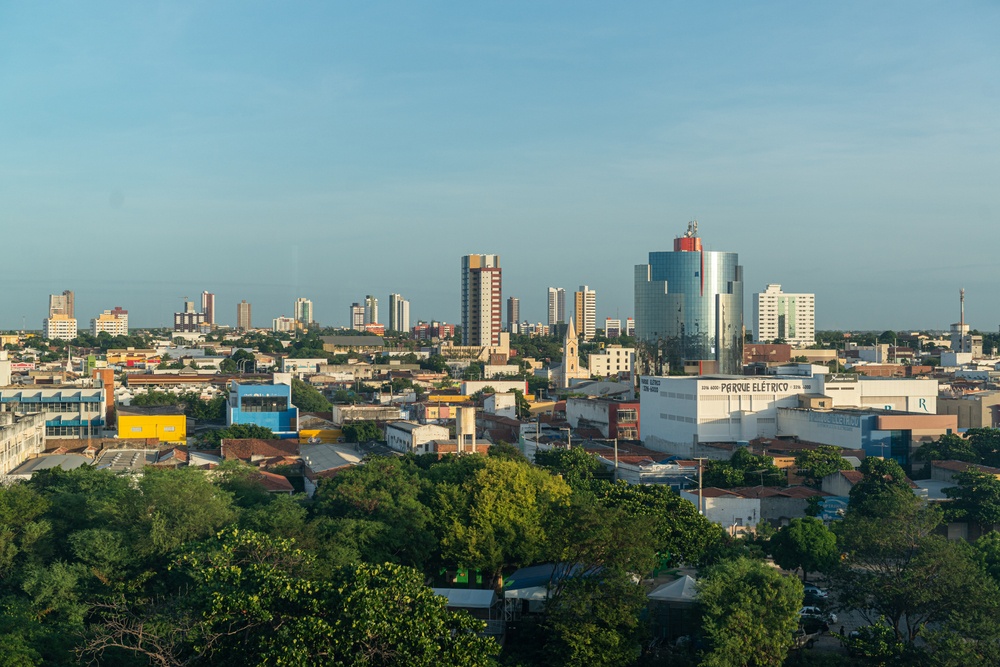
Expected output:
(692, 229)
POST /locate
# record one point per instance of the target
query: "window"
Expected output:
(137, 429)
(169, 428)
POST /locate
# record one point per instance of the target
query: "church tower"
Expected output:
(571, 355)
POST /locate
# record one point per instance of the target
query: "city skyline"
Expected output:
(847, 150)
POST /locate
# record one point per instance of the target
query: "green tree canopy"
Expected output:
(805, 543)
(817, 463)
(363, 431)
(975, 498)
(307, 398)
(750, 612)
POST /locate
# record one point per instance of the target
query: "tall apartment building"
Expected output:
(62, 304)
(513, 314)
(302, 312)
(789, 317)
(585, 311)
(557, 306)
(59, 326)
(689, 304)
(208, 307)
(481, 300)
(399, 313)
(244, 321)
(371, 310)
(284, 324)
(113, 322)
(189, 319)
(357, 317)
(630, 327)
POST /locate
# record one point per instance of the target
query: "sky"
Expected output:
(271, 150)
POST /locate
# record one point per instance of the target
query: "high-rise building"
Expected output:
(284, 324)
(399, 313)
(357, 317)
(513, 314)
(482, 318)
(612, 328)
(244, 321)
(190, 319)
(302, 312)
(208, 307)
(585, 311)
(371, 310)
(781, 316)
(59, 326)
(630, 327)
(62, 304)
(557, 306)
(113, 322)
(689, 306)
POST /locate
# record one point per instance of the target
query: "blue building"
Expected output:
(268, 405)
(689, 308)
(69, 412)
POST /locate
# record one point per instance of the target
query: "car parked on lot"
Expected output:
(812, 590)
(813, 612)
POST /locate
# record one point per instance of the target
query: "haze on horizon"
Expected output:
(271, 150)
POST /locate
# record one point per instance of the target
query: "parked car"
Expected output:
(815, 591)
(813, 612)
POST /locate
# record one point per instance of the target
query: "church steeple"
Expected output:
(571, 354)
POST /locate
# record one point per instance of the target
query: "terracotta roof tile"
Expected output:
(248, 449)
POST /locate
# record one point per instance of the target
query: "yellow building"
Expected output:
(166, 423)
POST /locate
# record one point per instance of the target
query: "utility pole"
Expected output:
(701, 501)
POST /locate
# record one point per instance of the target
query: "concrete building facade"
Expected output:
(585, 312)
(788, 317)
(113, 322)
(482, 320)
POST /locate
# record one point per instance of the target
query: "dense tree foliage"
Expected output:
(194, 406)
(742, 469)
(751, 611)
(212, 439)
(307, 398)
(805, 543)
(980, 445)
(815, 464)
(363, 431)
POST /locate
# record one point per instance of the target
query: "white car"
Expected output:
(817, 613)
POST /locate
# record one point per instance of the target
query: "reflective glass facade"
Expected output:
(690, 306)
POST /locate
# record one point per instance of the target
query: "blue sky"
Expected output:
(266, 151)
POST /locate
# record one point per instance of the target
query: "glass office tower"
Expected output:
(689, 308)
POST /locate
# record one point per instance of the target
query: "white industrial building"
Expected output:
(676, 413)
(413, 437)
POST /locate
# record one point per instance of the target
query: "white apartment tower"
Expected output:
(302, 312)
(113, 322)
(585, 311)
(371, 310)
(557, 305)
(787, 317)
(482, 316)
(399, 313)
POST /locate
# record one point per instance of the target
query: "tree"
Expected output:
(574, 465)
(496, 517)
(883, 491)
(363, 431)
(385, 493)
(253, 599)
(818, 463)
(948, 447)
(743, 469)
(680, 533)
(178, 506)
(307, 398)
(213, 438)
(505, 450)
(750, 613)
(976, 498)
(805, 543)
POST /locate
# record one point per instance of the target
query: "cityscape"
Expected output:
(515, 335)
